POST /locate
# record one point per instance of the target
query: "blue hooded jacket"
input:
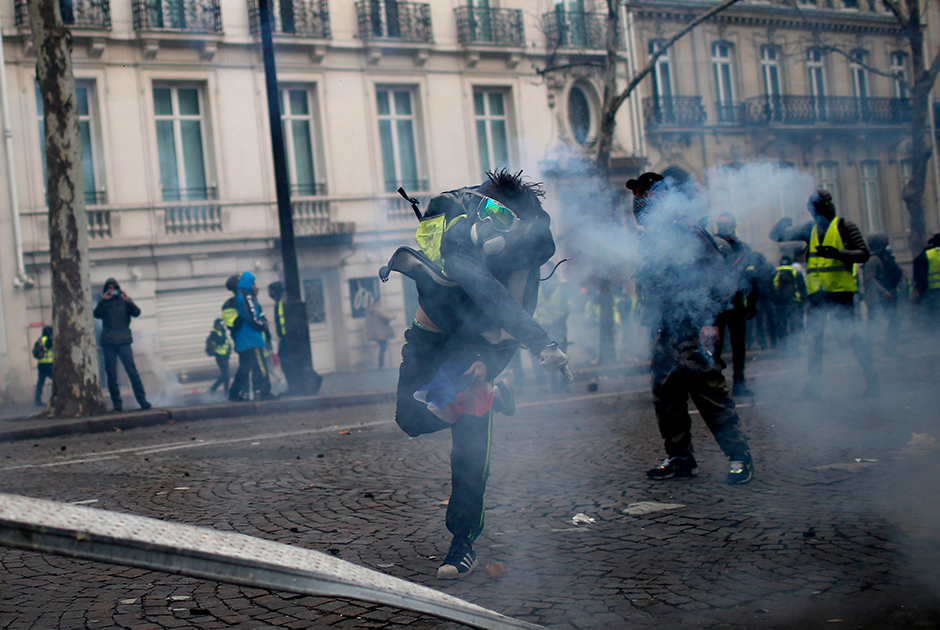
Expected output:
(250, 334)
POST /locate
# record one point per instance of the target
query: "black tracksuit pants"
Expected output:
(251, 362)
(422, 355)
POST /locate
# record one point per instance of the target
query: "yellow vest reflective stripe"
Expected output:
(933, 268)
(47, 357)
(827, 274)
(280, 317)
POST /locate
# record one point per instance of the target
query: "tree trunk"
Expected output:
(75, 387)
(920, 129)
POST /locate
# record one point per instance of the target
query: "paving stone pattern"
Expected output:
(821, 538)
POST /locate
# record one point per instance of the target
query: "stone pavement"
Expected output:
(837, 530)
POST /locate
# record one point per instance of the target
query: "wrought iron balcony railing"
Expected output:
(673, 111)
(499, 27)
(391, 20)
(827, 110)
(576, 29)
(77, 14)
(186, 16)
(730, 113)
(301, 18)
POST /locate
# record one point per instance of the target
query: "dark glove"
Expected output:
(827, 251)
(750, 312)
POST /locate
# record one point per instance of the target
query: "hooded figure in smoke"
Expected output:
(477, 276)
(686, 286)
(115, 310)
(250, 334)
(835, 246)
(882, 277)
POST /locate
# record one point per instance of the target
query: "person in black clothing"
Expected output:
(42, 351)
(477, 278)
(115, 310)
(835, 246)
(218, 346)
(789, 295)
(882, 277)
(685, 287)
(740, 262)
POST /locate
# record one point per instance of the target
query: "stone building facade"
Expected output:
(179, 186)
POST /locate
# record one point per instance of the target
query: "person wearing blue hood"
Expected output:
(249, 335)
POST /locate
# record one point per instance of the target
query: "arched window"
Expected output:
(579, 114)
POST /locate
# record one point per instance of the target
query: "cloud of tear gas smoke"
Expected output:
(606, 244)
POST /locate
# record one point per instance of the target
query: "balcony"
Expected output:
(730, 113)
(673, 111)
(297, 18)
(180, 16)
(496, 27)
(576, 29)
(827, 110)
(77, 14)
(394, 21)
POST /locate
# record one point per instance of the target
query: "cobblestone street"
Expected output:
(839, 528)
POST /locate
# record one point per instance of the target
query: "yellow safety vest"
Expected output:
(797, 297)
(281, 322)
(230, 312)
(47, 357)
(429, 234)
(828, 274)
(224, 348)
(933, 269)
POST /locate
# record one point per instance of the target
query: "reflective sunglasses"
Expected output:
(501, 216)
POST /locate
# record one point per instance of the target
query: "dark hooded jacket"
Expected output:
(115, 315)
(881, 271)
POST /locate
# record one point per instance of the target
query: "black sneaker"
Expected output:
(740, 389)
(460, 562)
(144, 406)
(679, 466)
(504, 399)
(741, 471)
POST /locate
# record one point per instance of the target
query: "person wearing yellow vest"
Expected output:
(42, 351)
(927, 281)
(286, 351)
(218, 347)
(835, 246)
(789, 298)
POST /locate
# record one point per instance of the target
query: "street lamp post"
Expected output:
(302, 378)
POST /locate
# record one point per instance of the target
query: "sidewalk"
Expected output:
(340, 389)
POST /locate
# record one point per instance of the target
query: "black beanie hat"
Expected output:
(232, 283)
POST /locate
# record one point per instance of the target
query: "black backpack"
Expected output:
(211, 344)
(39, 349)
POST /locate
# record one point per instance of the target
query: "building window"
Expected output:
(827, 177)
(92, 168)
(817, 81)
(850, 4)
(871, 204)
(859, 74)
(770, 70)
(297, 116)
(899, 69)
(489, 111)
(662, 72)
(178, 112)
(397, 129)
(579, 115)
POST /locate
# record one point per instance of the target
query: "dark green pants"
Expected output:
(423, 353)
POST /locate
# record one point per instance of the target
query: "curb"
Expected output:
(44, 428)
(37, 428)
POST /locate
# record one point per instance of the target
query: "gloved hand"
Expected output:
(827, 251)
(750, 311)
(552, 358)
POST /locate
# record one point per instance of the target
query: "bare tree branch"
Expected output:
(639, 76)
(896, 9)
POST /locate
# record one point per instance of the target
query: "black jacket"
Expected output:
(115, 314)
